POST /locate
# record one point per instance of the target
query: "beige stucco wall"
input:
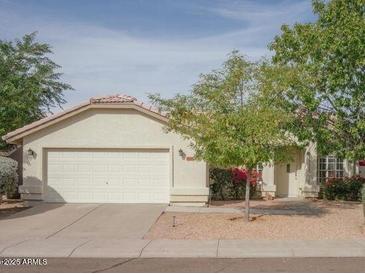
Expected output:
(309, 183)
(304, 169)
(290, 183)
(311, 186)
(303, 174)
(114, 128)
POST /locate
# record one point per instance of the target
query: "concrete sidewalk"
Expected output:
(134, 248)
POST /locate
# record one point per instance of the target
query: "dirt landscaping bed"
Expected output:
(9, 207)
(315, 220)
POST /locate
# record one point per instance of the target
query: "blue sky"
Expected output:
(144, 46)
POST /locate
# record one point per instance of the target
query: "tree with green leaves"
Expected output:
(29, 83)
(318, 73)
(225, 123)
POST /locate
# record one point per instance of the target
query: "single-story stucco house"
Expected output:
(114, 149)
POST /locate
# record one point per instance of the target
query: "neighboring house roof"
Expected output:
(113, 101)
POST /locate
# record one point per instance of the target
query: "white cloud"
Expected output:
(256, 13)
(98, 61)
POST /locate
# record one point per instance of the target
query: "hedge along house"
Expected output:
(110, 149)
(114, 149)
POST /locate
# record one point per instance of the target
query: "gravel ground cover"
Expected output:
(315, 220)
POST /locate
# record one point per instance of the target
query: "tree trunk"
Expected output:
(247, 196)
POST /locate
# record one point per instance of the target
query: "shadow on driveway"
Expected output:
(25, 211)
(81, 221)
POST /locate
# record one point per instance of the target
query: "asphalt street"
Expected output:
(194, 265)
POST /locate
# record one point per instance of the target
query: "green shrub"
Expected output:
(348, 189)
(355, 185)
(220, 179)
(8, 176)
(223, 185)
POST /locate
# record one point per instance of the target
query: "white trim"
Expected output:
(336, 160)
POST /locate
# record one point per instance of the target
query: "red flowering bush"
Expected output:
(239, 175)
(348, 188)
(230, 184)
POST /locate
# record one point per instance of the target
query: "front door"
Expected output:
(286, 177)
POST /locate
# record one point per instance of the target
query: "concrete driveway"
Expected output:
(81, 221)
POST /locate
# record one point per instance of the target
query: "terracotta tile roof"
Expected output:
(121, 98)
(118, 98)
(111, 99)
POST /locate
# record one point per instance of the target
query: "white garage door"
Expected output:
(108, 176)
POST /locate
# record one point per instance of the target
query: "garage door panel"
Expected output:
(113, 176)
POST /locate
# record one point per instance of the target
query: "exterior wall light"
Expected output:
(31, 153)
(182, 153)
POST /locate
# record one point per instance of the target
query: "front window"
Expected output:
(329, 167)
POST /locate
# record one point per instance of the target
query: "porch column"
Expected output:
(311, 186)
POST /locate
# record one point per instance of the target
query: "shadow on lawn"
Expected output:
(291, 208)
(288, 206)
